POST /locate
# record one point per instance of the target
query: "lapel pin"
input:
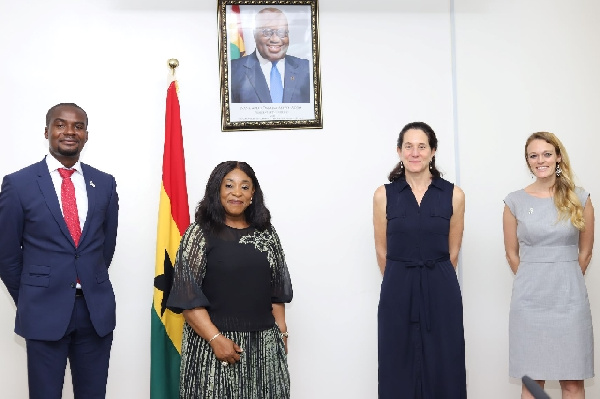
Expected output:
(92, 184)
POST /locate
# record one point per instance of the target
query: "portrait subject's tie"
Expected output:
(276, 84)
(69, 205)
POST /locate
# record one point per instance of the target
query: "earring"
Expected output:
(558, 170)
(250, 201)
(401, 165)
(430, 166)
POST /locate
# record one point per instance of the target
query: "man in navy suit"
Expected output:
(57, 279)
(257, 78)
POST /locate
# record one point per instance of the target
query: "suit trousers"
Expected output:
(88, 356)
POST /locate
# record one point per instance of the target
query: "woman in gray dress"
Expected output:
(548, 237)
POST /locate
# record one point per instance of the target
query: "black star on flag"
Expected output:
(163, 282)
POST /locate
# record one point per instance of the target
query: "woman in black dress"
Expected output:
(231, 282)
(418, 220)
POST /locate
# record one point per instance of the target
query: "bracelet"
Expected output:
(284, 334)
(214, 336)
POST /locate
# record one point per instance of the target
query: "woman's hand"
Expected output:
(285, 342)
(226, 350)
(279, 315)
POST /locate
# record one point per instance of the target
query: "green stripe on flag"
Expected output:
(164, 364)
(234, 51)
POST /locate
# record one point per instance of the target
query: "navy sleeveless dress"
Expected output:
(420, 317)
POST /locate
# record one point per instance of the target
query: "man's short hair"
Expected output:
(51, 110)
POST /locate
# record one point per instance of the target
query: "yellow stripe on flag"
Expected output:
(167, 237)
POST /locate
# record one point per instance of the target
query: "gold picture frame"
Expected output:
(270, 31)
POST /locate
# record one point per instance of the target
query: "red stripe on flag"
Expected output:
(236, 11)
(174, 162)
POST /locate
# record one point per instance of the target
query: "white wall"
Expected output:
(383, 65)
(521, 67)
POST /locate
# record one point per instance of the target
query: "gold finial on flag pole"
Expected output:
(173, 63)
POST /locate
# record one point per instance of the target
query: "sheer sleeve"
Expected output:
(189, 271)
(281, 283)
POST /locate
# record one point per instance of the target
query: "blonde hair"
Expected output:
(565, 199)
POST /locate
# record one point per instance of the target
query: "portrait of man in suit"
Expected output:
(269, 74)
(59, 229)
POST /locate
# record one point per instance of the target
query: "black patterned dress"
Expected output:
(236, 275)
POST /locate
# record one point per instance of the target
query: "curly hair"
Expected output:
(210, 214)
(565, 199)
(398, 171)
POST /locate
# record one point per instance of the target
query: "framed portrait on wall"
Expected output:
(269, 64)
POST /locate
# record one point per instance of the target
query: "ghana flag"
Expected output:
(173, 219)
(235, 33)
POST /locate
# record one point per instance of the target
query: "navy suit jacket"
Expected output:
(248, 83)
(39, 262)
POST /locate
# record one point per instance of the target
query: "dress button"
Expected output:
(77, 256)
(72, 285)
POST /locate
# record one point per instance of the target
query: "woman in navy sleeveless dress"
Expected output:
(418, 220)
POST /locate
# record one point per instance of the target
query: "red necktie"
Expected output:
(69, 205)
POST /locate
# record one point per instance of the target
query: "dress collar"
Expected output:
(435, 182)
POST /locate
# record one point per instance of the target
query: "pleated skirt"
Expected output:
(261, 373)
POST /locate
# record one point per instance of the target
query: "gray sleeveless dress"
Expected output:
(551, 334)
